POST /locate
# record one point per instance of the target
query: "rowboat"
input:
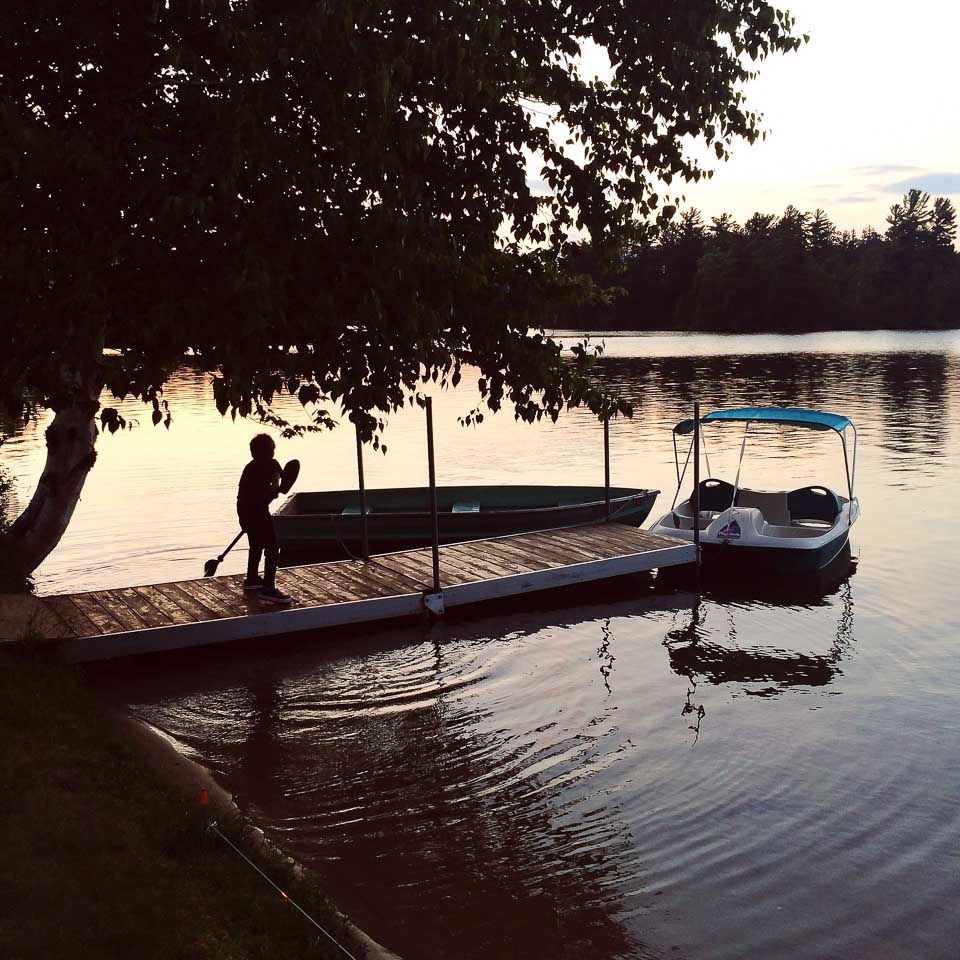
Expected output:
(776, 533)
(329, 523)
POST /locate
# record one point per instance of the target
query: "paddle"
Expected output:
(288, 477)
(210, 567)
(289, 474)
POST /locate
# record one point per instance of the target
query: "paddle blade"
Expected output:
(210, 567)
(289, 474)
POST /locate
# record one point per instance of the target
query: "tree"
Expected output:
(943, 223)
(724, 224)
(821, 233)
(331, 198)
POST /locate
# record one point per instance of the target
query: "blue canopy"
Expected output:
(794, 416)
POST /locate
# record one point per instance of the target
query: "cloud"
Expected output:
(855, 198)
(884, 169)
(538, 187)
(938, 183)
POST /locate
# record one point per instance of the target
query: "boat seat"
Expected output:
(466, 506)
(814, 503)
(773, 506)
(354, 510)
(715, 495)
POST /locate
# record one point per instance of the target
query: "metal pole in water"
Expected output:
(433, 498)
(606, 462)
(695, 499)
(364, 539)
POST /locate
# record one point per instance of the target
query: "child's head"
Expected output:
(262, 447)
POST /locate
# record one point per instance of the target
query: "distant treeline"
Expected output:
(785, 274)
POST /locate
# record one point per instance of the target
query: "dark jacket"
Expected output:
(259, 485)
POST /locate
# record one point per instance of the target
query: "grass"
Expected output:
(101, 860)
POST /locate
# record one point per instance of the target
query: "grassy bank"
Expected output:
(102, 860)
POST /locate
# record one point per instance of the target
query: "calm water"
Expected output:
(604, 774)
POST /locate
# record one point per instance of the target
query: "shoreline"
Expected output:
(159, 751)
(161, 756)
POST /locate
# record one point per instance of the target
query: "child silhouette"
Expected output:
(259, 485)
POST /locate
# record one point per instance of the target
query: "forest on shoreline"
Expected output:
(789, 274)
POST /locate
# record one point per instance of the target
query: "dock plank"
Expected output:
(174, 611)
(452, 570)
(120, 610)
(103, 618)
(477, 559)
(72, 616)
(227, 591)
(610, 535)
(365, 580)
(176, 593)
(511, 552)
(290, 579)
(342, 581)
(152, 616)
(490, 559)
(559, 554)
(315, 577)
(415, 564)
(223, 601)
(111, 623)
(398, 582)
(413, 573)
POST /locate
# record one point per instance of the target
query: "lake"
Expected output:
(616, 773)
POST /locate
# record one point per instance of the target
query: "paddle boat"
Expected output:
(398, 518)
(782, 532)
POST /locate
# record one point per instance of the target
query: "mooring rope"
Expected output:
(212, 825)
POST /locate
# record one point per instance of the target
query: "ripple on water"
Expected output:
(598, 776)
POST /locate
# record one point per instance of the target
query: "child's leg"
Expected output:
(271, 550)
(254, 554)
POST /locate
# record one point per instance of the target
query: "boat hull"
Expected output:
(399, 518)
(736, 559)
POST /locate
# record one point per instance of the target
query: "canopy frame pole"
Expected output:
(846, 464)
(743, 447)
(706, 456)
(676, 461)
(853, 473)
(686, 463)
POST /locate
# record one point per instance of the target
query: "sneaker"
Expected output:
(250, 584)
(273, 595)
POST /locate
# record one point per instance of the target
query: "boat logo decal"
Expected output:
(730, 531)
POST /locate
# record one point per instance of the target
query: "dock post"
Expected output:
(433, 498)
(606, 461)
(696, 488)
(364, 538)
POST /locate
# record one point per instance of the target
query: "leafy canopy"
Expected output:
(331, 197)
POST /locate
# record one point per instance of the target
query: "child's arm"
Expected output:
(275, 475)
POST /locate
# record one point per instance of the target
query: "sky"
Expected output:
(864, 111)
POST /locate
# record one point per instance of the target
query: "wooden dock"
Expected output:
(106, 624)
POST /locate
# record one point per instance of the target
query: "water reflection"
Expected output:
(913, 389)
(695, 652)
(701, 653)
(380, 765)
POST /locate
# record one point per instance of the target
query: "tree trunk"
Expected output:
(70, 455)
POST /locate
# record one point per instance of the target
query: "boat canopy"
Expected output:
(794, 416)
